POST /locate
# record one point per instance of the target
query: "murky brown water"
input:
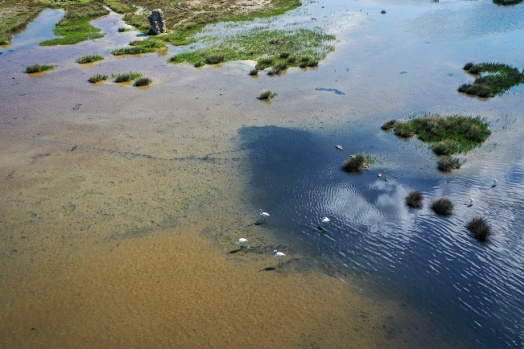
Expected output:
(120, 205)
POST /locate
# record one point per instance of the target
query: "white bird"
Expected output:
(241, 241)
(494, 182)
(264, 214)
(471, 200)
(325, 220)
(279, 255)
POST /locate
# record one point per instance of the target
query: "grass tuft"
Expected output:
(89, 59)
(139, 47)
(480, 228)
(143, 82)
(126, 77)
(355, 164)
(414, 199)
(446, 163)
(266, 95)
(97, 78)
(37, 68)
(389, 125)
(442, 206)
(491, 79)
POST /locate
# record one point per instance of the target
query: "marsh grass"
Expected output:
(123, 29)
(414, 199)
(253, 72)
(442, 206)
(38, 68)
(491, 79)
(446, 163)
(480, 228)
(214, 58)
(139, 47)
(388, 125)
(143, 82)
(271, 49)
(403, 130)
(267, 95)
(75, 26)
(126, 77)
(357, 163)
(97, 78)
(89, 59)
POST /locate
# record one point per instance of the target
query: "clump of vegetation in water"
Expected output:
(480, 228)
(97, 78)
(89, 59)
(38, 68)
(75, 26)
(493, 79)
(266, 95)
(507, 2)
(269, 48)
(214, 57)
(414, 199)
(123, 29)
(356, 163)
(446, 135)
(388, 125)
(447, 163)
(139, 47)
(126, 77)
(143, 82)
(442, 206)
(253, 72)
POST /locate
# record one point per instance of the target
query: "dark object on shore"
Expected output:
(157, 22)
(442, 206)
(143, 82)
(414, 199)
(480, 228)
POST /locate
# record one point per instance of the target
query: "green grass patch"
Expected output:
(139, 47)
(38, 68)
(266, 47)
(14, 17)
(126, 77)
(446, 135)
(89, 59)
(75, 26)
(357, 163)
(492, 79)
(97, 78)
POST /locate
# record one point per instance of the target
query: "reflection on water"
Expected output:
(472, 290)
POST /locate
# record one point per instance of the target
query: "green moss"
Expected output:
(492, 79)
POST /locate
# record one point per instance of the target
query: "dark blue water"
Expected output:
(472, 292)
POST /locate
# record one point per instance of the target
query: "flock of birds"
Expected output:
(324, 221)
(280, 255)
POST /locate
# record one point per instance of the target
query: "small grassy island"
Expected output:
(491, 79)
(357, 163)
(442, 207)
(38, 68)
(479, 228)
(89, 59)
(414, 199)
(447, 135)
(139, 47)
(126, 77)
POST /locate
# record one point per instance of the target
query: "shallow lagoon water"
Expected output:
(109, 190)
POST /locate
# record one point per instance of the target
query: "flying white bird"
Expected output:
(241, 241)
(279, 255)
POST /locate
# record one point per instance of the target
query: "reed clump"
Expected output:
(414, 199)
(89, 59)
(143, 82)
(479, 228)
(442, 206)
(357, 163)
(38, 68)
(97, 78)
(126, 77)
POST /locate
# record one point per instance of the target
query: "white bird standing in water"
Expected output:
(279, 255)
(494, 182)
(241, 241)
(471, 200)
(264, 215)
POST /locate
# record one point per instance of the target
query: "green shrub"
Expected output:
(264, 63)
(97, 78)
(253, 72)
(199, 64)
(89, 59)
(442, 207)
(215, 58)
(414, 199)
(265, 94)
(480, 228)
(126, 77)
